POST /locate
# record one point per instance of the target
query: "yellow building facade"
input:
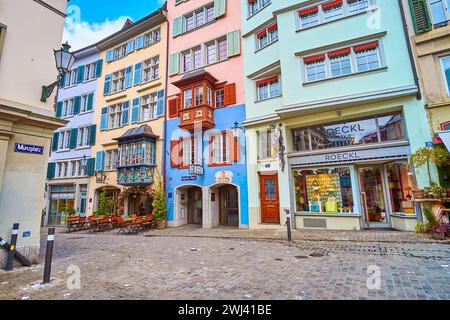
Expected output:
(130, 118)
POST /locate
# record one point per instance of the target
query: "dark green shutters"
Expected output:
(55, 141)
(90, 101)
(420, 15)
(73, 138)
(59, 107)
(76, 105)
(92, 134)
(98, 68)
(51, 170)
(90, 165)
(80, 74)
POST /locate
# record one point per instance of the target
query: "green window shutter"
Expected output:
(174, 64)
(220, 8)
(98, 68)
(73, 138)
(90, 102)
(447, 77)
(234, 43)
(62, 80)
(90, 163)
(92, 134)
(80, 74)
(51, 170)
(177, 26)
(420, 15)
(76, 105)
(59, 106)
(55, 141)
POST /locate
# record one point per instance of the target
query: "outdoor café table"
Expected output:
(95, 224)
(127, 226)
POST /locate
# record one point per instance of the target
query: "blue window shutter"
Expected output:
(99, 163)
(135, 110)
(137, 73)
(90, 102)
(104, 119)
(107, 86)
(130, 46)
(125, 113)
(447, 77)
(139, 42)
(109, 56)
(55, 141)
(90, 167)
(59, 106)
(73, 138)
(160, 104)
(62, 80)
(80, 74)
(51, 170)
(76, 105)
(92, 134)
(98, 68)
(128, 76)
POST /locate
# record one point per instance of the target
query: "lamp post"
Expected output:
(237, 129)
(64, 61)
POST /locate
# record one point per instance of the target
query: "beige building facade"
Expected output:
(26, 124)
(130, 117)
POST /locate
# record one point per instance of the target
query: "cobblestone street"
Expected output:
(175, 265)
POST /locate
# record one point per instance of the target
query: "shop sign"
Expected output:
(28, 148)
(392, 153)
(188, 178)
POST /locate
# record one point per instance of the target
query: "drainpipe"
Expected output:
(410, 51)
(165, 111)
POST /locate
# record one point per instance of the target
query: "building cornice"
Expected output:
(51, 8)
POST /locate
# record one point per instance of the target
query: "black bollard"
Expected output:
(12, 247)
(288, 224)
(49, 254)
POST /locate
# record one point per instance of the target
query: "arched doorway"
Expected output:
(189, 209)
(106, 200)
(224, 205)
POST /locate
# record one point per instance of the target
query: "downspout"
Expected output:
(165, 111)
(410, 51)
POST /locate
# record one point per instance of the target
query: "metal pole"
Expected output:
(5, 245)
(12, 247)
(288, 224)
(49, 254)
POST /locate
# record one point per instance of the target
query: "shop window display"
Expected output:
(325, 190)
(400, 185)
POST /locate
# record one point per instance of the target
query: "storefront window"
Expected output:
(325, 190)
(400, 185)
(345, 134)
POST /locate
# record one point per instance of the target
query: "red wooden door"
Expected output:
(270, 202)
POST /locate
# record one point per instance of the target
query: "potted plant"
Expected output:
(159, 205)
(438, 232)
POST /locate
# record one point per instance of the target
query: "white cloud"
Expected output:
(80, 34)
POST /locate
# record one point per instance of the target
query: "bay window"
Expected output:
(187, 98)
(198, 100)
(268, 88)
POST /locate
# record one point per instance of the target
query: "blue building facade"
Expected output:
(71, 162)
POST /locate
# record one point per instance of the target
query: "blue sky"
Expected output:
(91, 20)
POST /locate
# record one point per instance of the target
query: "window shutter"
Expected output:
(125, 113)
(229, 93)
(128, 76)
(174, 154)
(109, 56)
(51, 170)
(135, 110)
(160, 104)
(80, 74)
(447, 76)
(90, 102)
(130, 46)
(76, 105)
(92, 134)
(234, 43)
(174, 64)
(137, 73)
(107, 86)
(139, 42)
(420, 15)
(174, 105)
(177, 26)
(211, 149)
(90, 167)
(73, 138)
(220, 8)
(55, 141)
(99, 163)
(98, 68)
(62, 80)
(180, 152)
(59, 106)
(104, 119)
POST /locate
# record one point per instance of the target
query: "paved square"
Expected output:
(166, 265)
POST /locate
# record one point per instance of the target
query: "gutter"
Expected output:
(410, 52)
(165, 111)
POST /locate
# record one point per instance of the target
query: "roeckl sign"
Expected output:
(342, 156)
(28, 148)
(345, 129)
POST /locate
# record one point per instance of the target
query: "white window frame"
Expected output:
(266, 152)
(151, 65)
(269, 93)
(447, 85)
(269, 36)
(118, 81)
(193, 14)
(111, 157)
(67, 108)
(203, 54)
(152, 37)
(64, 140)
(220, 142)
(260, 4)
(115, 112)
(190, 150)
(83, 136)
(149, 105)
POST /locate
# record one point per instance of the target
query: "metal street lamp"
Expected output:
(64, 61)
(237, 129)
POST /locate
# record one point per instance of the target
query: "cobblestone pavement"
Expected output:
(158, 266)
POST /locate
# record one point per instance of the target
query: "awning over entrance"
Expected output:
(445, 137)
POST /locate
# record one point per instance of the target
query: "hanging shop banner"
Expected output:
(353, 156)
